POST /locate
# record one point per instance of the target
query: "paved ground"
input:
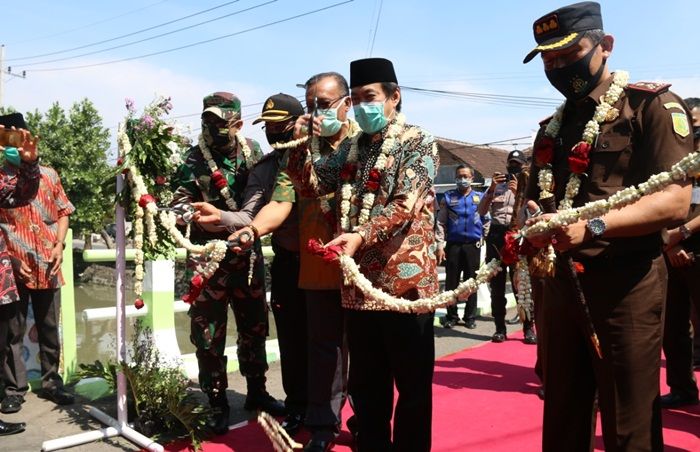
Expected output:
(47, 421)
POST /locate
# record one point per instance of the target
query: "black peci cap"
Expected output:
(371, 70)
(13, 120)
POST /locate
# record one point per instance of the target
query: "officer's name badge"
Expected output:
(680, 124)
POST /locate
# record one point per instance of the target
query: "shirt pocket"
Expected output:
(610, 160)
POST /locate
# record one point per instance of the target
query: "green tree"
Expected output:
(75, 144)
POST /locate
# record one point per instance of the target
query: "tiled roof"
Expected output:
(485, 160)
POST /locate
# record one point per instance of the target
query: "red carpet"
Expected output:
(484, 398)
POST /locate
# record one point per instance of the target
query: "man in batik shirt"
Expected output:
(383, 183)
(35, 235)
(230, 285)
(329, 95)
(19, 183)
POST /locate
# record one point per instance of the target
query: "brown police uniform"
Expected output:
(624, 282)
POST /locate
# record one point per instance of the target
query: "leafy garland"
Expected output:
(150, 151)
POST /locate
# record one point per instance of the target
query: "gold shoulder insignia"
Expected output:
(649, 87)
(670, 105)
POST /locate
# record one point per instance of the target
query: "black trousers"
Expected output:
(683, 293)
(461, 263)
(626, 301)
(328, 360)
(46, 305)
(497, 285)
(289, 310)
(388, 349)
(494, 243)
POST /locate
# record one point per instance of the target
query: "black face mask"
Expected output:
(575, 80)
(514, 169)
(279, 137)
(214, 136)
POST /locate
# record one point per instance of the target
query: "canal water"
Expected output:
(96, 339)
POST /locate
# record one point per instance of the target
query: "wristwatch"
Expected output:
(596, 226)
(685, 232)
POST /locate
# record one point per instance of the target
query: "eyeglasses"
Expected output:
(323, 104)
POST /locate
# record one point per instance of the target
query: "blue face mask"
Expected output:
(12, 156)
(370, 116)
(330, 124)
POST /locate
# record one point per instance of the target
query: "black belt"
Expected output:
(607, 261)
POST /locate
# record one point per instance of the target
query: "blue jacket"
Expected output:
(459, 217)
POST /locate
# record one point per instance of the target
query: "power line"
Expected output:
(91, 24)
(496, 99)
(376, 27)
(123, 36)
(206, 41)
(152, 37)
(509, 141)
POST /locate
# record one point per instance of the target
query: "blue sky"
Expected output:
(465, 46)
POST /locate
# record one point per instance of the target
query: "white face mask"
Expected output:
(463, 182)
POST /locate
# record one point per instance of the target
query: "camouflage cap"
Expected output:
(224, 105)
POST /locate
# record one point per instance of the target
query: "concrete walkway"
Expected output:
(46, 421)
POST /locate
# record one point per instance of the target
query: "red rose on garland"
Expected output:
(544, 151)
(347, 172)
(328, 253)
(146, 200)
(196, 285)
(510, 249)
(373, 177)
(161, 180)
(219, 180)
(138, 303)
(120, 162)
(372, 185)
(578, 157)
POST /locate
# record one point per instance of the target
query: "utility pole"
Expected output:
(2, 79)
(7, 71)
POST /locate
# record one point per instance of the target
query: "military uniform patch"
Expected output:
(476, 199)
(680, 124)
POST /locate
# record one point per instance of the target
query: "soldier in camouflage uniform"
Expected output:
(230, 284)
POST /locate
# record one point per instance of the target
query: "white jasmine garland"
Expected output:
(524, 295)
(378, 299)
(214, 251)
(603, 112)
(687, 167)
(348, 188)
(247, 158)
